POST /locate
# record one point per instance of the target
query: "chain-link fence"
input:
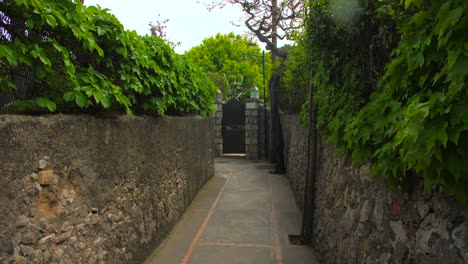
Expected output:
(27, 86)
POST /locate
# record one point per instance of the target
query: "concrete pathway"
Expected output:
(242, 215)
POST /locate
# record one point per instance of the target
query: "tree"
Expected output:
(159, 29)
(220, 57)
(269, 21)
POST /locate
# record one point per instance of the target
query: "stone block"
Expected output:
(400, 231)
(46, 177)
(364, 213)
(22, 221)
(43, 163)
(251, 105)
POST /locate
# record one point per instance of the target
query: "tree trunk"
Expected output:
(277, 143)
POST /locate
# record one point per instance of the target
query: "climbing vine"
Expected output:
(391, 79)
(77, 58)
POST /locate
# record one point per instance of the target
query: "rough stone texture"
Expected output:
(120, 185)
(251, 128)
(357, 218)
(218, 129)
(295, 155)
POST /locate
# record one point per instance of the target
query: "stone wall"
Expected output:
(218, 129)
(357, 219)
(79, 189)
(251, 129)
(295, 155)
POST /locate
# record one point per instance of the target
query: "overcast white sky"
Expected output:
(189, 22)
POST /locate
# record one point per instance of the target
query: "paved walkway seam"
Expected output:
(235, 245)
(194, 243)
(279, 258)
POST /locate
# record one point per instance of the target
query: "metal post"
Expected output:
(265, 108)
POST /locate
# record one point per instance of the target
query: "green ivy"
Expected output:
(391, 88)
(82, 59)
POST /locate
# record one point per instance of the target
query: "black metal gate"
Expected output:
(234, 127)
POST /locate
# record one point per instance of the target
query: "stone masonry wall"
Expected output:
(295, 155)
(251, 129)
(218, 129)
(79, 189)
(357, 219)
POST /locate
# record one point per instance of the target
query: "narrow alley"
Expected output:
(242, 215)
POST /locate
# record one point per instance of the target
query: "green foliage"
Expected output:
(294, 84)
(82, 59)
(391, 88)
(220, 57)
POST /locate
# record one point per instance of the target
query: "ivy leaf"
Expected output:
(30, 23)
(51, 20)
(99, 51)
(453, 160)
(415, 2)
(21, 2)
(45, 60)
(9, 53)
(68, 96)
(39, 72)
(459, 113)
(420, 17)
(434, 131)
(81, 100)
(46, 103)
(446, 21)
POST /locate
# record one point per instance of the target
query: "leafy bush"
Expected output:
(294, 84)
(79, 57)
(391, 87)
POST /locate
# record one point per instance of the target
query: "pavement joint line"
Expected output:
(195, 240)
(249, 189)
(250, 170)
(242, 210)
(279, 258)
(235, 245)
(287, 211)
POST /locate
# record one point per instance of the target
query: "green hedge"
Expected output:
(391, 79)
(82, 59)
